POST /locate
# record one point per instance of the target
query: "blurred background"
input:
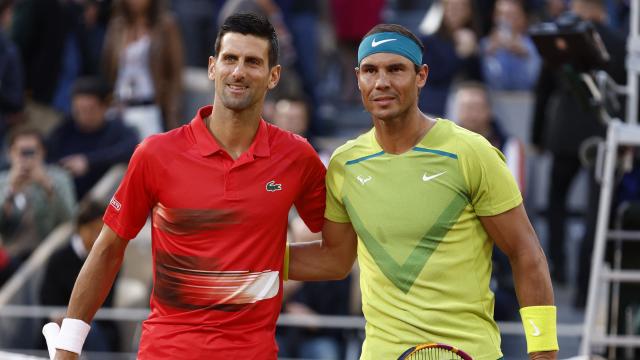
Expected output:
(83, 81)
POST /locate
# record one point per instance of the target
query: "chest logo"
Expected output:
(273, 186)
(363, 180)
(426, 177)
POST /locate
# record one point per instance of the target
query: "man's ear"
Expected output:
(274, 76)
(211, 68)
(422, 75)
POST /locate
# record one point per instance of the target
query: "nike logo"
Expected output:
(363, 180)
(426, 178)
(536, 332)
(272, 186)
(375, 43)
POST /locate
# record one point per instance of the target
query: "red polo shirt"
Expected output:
(219, 232)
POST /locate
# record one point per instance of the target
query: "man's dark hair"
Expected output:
(25, 131)
(250, 24)
(89, 210)
(92, 85)
(380, 28)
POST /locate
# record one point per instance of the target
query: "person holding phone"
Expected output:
(34, 199)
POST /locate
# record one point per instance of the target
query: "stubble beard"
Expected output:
(236, 104)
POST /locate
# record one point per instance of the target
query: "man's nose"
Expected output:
(238, 72)
(382, 80)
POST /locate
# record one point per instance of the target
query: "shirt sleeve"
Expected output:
(310, 202)
(492, 188)
(335, 210)
(130, 206)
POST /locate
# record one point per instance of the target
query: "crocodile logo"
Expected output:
(272, 186)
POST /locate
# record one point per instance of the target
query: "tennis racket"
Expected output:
(434, 352)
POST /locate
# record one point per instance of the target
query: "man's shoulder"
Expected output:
(283, 140)
(163, 144)
(354, 149)
(459, 138)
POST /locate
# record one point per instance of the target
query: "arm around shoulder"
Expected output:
(328, 259)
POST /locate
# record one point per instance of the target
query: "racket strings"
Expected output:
(433, 354)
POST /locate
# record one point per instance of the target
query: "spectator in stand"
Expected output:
(352, 19)
(34, 199)
(473, 107)
(197, 21)
(451, 53)
(11, 77)
(319, 298)
(143, 60)
(56, 48)
(89, 143)
(292, 114)
(63, 268)
(510, 60)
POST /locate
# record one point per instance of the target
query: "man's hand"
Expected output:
(65, 355)
(18, 177)
(76, 164)
(544, 355)
(40, 177)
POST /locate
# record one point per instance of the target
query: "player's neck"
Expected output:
(401, 134)
(234, 130)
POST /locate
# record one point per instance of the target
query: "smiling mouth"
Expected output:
(237, 88)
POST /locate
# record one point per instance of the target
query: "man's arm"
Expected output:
(515, 236)
(328, 259)
(95, 280)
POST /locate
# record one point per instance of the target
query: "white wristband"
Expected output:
(73, 332)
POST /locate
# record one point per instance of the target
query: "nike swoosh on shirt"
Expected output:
(375, 43)
(426, 178)
(536, 332)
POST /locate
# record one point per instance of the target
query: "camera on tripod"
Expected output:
(570, 40)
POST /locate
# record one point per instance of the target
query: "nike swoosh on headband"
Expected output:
(375, 43)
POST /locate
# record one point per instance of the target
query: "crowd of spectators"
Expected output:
(83, 81)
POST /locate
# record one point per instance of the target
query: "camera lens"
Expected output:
(27, 152)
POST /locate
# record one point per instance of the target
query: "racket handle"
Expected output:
(50, 332)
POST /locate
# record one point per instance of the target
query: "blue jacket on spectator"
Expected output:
(113, 143)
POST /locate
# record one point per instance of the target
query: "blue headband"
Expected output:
(390, 42)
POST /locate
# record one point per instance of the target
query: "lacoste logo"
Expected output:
(115, 203)
(375, 43)
(363, 180)
(426, 178)
(536, 332)
(272, 186)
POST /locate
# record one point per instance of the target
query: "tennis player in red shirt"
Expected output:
(219, 192)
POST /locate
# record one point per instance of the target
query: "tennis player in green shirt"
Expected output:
(420, 202)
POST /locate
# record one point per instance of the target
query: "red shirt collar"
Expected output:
(208, 145)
